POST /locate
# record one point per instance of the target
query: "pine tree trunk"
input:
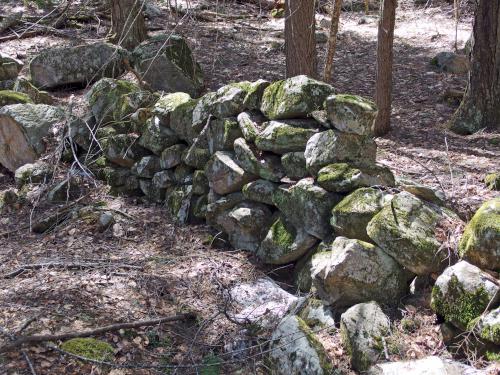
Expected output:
(332, 42)
(480, 107)
(300, 41)
(383, 90)
(127, 23)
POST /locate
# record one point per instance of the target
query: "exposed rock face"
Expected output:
(281, 137)
(77, 65)
(166, 63)
(225, 175)
(362, 328)
(480, 243)
(351, 114)
(22, 129)
(341, 277)
(294, 98)
(428, 365)
(462, 293)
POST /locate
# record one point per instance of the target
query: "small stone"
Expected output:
(421, 191)
(451, 62)
(106, 220)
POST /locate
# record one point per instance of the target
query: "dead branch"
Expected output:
(35, 339)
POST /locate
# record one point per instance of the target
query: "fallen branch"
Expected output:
(35, 339)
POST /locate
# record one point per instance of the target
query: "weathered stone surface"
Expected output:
(362, 328)
(251, 124)
(146, 167)
(217, 205)
(462, 293)
(451, 62)
(492, 181)
(351, 216)
(343, 177)
(9, 67)
(64, 191)
(24, 86)
(260, 191)
(351, 114)
(428, 365)
(294, 164)
(76, 65)
(225, 175)
(164, 179)
(284, 243)
(315, 313)
(488, 326)
(341, 277)
(157, 138)
(183, 174)
(196, 157)
(296, 350)
(178, 203)
(166, 63)
(331, 146)
(39, 172)
(281, 137)
(222, 133)
(255, 91)
(480, 242)
(200, 183)
(172, 156)
(421, 191)
(265, 166)
(152, 191)
(408, 229)
(306, 206)
(8, 97)
(22, 129)
(123, 149)
(199, 207)
(116, 176)
(246, 225)
(294, 97)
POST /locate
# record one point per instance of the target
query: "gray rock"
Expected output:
(83, 64)
(428, 365)
(341, 278)
(423, 192)
(200, 183)
(64, 191)
(157, 138)
(294, 164)
(255, 91)
(152, 191)
(221, 134)
(217, 205)
(251, 124)
(164, 179)
(183, 174)
(351, 114)
(146, 167)
(196, 157)
(488, 326)
(317, 314)
(105, 221)
(8, 198)
(363, 327)
(265, 166)
(24, 86)
(123, 149)
(225, 175)
(9, 67)
(36, 173)
(172, 156)
(178, 203)
(260, 191)
(451, 62)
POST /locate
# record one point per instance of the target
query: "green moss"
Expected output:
(492, 356)
(281, 234)
(8, 97)
(325, 363)
(492, 181)
(89, 348)
(357, 100)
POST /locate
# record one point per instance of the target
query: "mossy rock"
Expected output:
(39, 172)
(157, 138)
(351, 113)
(222, 133)
(8, 97)
(251, 124)
(89, 348)
(200, 183)
(9, 67)
(8, 198)
(24, 86)
(492, 181)
(488, 326)
(480, 242)
(294, 164)
(178, 203)
(260, 191)
(266, 166)
(196, 157)
(123, 149)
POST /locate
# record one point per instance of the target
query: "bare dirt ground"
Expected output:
(148, 267)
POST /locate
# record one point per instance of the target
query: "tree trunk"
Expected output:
(300, 41)
(332, 42)
(480, 107)
(127, 23)
(383, 90)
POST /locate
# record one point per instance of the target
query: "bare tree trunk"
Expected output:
(480, 107)
(300, 41)
(367, 6)
(383, 91)
(332, 42)
(127, 23)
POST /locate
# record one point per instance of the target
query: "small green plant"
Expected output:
(89, 348)
(212, 365)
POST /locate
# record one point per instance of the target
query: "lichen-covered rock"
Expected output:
(221, 134)
(146, 167)
(123, 149)
(265, 166)
(343, 177)
(295, 349)
(428, 365)
(294, 164)
(294, 97)
(83, 64)
(463, 292)
(36, 173)
(23, 127)
(260, 191)
(8, 97)
(22, 85)
(480, 242)
(284, 243)
(178, 203)
(332, 146)
(116, 176)
(407, 228)
(196, 157)
(166, 63)
(66, 190)
(303, 268)
(172, 156)
(200, 183)
(8, 198)
(492, 181)
(152, 192)
(281, 137)
(164, 179)
(488, 326)
(351, 114)
(217, 205)
(317, 314)
(306, 206)
(9, 67)
(421, 191)
(246, 225)
(351, 216)
(157, 138)
(341, 278)
(451, 62)
(363, 328)
(225, 175)
(251, 124)
(255, 91)
(183, 174)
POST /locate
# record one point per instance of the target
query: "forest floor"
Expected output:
(148, 267)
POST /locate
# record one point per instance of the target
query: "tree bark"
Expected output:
(300, 41)
(480, 107)
(128, 28)
(383, 90)
(332, 42)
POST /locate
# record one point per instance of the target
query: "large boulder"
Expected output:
(265, 166)
(166, 63)
(351, 114)
(306, 206)
(294, 97)
(428, 365)
(411, 231)
(363, 327)
(341, 277)
(22, 131)
(78, 65)
(332, 146)
(225, 175)
(281, 137)
(351, 216)
(463, 292)
(9, 67)
(284, 243)
(480, 243)
(296, 350)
